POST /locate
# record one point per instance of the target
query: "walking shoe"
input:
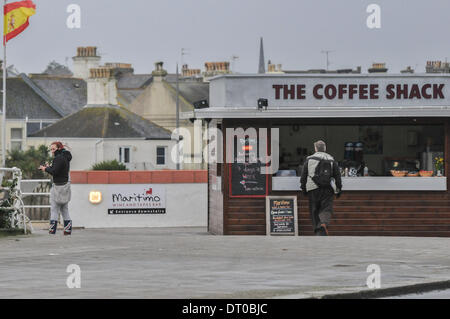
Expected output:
(324, 228)
(67, 227)
(53, 226)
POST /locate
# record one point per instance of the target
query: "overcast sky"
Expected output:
(295, 32)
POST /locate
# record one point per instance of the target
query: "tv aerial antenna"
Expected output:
(327, 52)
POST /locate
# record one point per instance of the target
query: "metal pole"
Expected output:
(4, 97)
(178, 121)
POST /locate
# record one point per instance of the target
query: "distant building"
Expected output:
(378, 68)
(437, 67)
(103, 131)
(158, 104)
(272, 68)
(215, 68)
(36, 101)
(190, 73)
(322, 71)
(407, 70)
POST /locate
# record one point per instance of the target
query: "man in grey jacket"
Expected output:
(320, 193)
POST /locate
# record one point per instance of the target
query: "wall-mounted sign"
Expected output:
(137, 199)
(359, 91)
(281, 215)
(331, 91)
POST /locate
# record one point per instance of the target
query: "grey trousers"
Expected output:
(57, 209)
(321, 206)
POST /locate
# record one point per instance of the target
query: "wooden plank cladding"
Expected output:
(421, 215)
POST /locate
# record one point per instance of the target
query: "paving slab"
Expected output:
(190, 263)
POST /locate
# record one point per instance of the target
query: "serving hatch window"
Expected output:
(382, 149)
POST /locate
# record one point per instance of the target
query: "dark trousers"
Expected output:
(320, 206)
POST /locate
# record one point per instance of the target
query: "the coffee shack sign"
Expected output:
(332, 91)
(346, 91)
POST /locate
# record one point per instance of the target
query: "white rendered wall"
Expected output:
(186, 206)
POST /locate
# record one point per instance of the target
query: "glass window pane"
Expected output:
(160, 151)
(45, 124)
(160, 155)
(33, 128)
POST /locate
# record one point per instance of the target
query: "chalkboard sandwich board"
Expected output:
(281, 215)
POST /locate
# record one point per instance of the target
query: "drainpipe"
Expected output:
(95, 150)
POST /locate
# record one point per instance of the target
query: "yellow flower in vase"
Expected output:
(439, 165)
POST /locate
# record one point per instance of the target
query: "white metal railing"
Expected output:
(27, 193)
(18, 218)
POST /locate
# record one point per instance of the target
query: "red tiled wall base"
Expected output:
(138, 177)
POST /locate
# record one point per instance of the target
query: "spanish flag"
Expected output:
(16, 18)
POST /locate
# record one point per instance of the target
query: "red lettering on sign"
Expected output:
(363, 90)
(352, 89)
(289, 91)
(437, 91)
(374, 91)
(390, 91)
(277, 88)
(402, 91)
(342, 89)
(415, 92)
(301, 92)
(330, 91)
(424, 91)
(315, 93)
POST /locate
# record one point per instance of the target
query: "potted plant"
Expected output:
(439, 165)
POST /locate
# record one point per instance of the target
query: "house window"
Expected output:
(160, 155)
(16, 139)
(124, 154)
(35, 126)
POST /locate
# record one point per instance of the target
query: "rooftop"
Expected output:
(104, 121)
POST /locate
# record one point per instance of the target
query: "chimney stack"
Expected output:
(159, 73)
(102, 87)
(85, 60)
(186, 72)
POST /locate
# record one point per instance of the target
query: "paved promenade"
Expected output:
(190, 263)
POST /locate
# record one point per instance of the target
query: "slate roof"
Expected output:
(104, 121)
(134, 81)
(23, 101)
(69, 94)
(126, 97)
(192, 91)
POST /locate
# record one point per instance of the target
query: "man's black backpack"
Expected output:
(323, 173)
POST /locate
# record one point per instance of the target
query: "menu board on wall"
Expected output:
(246, 179)
(281, 215)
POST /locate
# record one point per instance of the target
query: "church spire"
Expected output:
(261, 68)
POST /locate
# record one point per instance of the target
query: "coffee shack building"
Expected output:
(375, 126)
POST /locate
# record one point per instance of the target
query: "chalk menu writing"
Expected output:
(281, 216)
(246, 177)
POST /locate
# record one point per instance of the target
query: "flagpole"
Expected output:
(178, 121)
(4, 97)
